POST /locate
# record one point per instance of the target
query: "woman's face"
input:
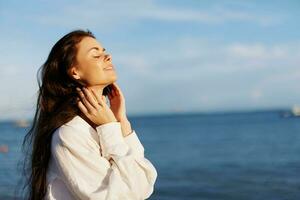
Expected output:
(94, 66)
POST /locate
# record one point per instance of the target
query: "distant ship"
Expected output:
(21, 123)
(294, 112)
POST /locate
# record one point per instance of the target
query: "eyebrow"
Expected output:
(103, 49)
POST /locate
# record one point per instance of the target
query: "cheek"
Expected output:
(95, 76)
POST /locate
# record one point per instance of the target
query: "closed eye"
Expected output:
(100, 57)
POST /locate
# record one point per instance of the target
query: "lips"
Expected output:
(109, 67)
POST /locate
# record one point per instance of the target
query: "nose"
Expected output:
(108, 57)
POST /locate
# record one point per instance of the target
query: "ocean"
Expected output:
(218, 156)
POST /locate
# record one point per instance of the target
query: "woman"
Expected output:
(81, 147)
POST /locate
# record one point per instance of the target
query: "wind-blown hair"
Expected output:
(56, 105)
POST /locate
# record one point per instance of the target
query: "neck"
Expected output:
(98, 89)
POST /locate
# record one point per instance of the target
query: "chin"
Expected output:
(113, 79)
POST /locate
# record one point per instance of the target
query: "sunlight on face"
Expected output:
(94, 66)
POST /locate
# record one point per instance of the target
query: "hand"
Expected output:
(117, 102)
(117, 105)
(94, 107)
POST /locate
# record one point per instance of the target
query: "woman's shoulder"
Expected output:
(77, 130)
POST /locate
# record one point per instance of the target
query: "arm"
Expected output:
(126, 127)
(131, 137)
(90, 176)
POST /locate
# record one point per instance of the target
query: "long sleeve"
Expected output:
(90, 176)
(134, 143)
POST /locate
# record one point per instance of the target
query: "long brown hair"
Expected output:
(56, 105)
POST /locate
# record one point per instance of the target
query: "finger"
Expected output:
(91, 98)
(117, 88)
(119, 91)
(82, 107)
(101, 101)
(97, 96)
(113, 91)
(85, 101)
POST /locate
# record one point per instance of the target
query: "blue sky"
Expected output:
(170, 56)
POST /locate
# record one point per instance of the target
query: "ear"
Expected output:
(74, 73)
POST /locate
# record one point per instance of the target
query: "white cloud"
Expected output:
(203, 72)
(208, 74)
(261, 51)
(211, 74)
(195, 58)
(112, 15)
(211, 16)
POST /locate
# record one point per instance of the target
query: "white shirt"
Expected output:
(90, 164)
